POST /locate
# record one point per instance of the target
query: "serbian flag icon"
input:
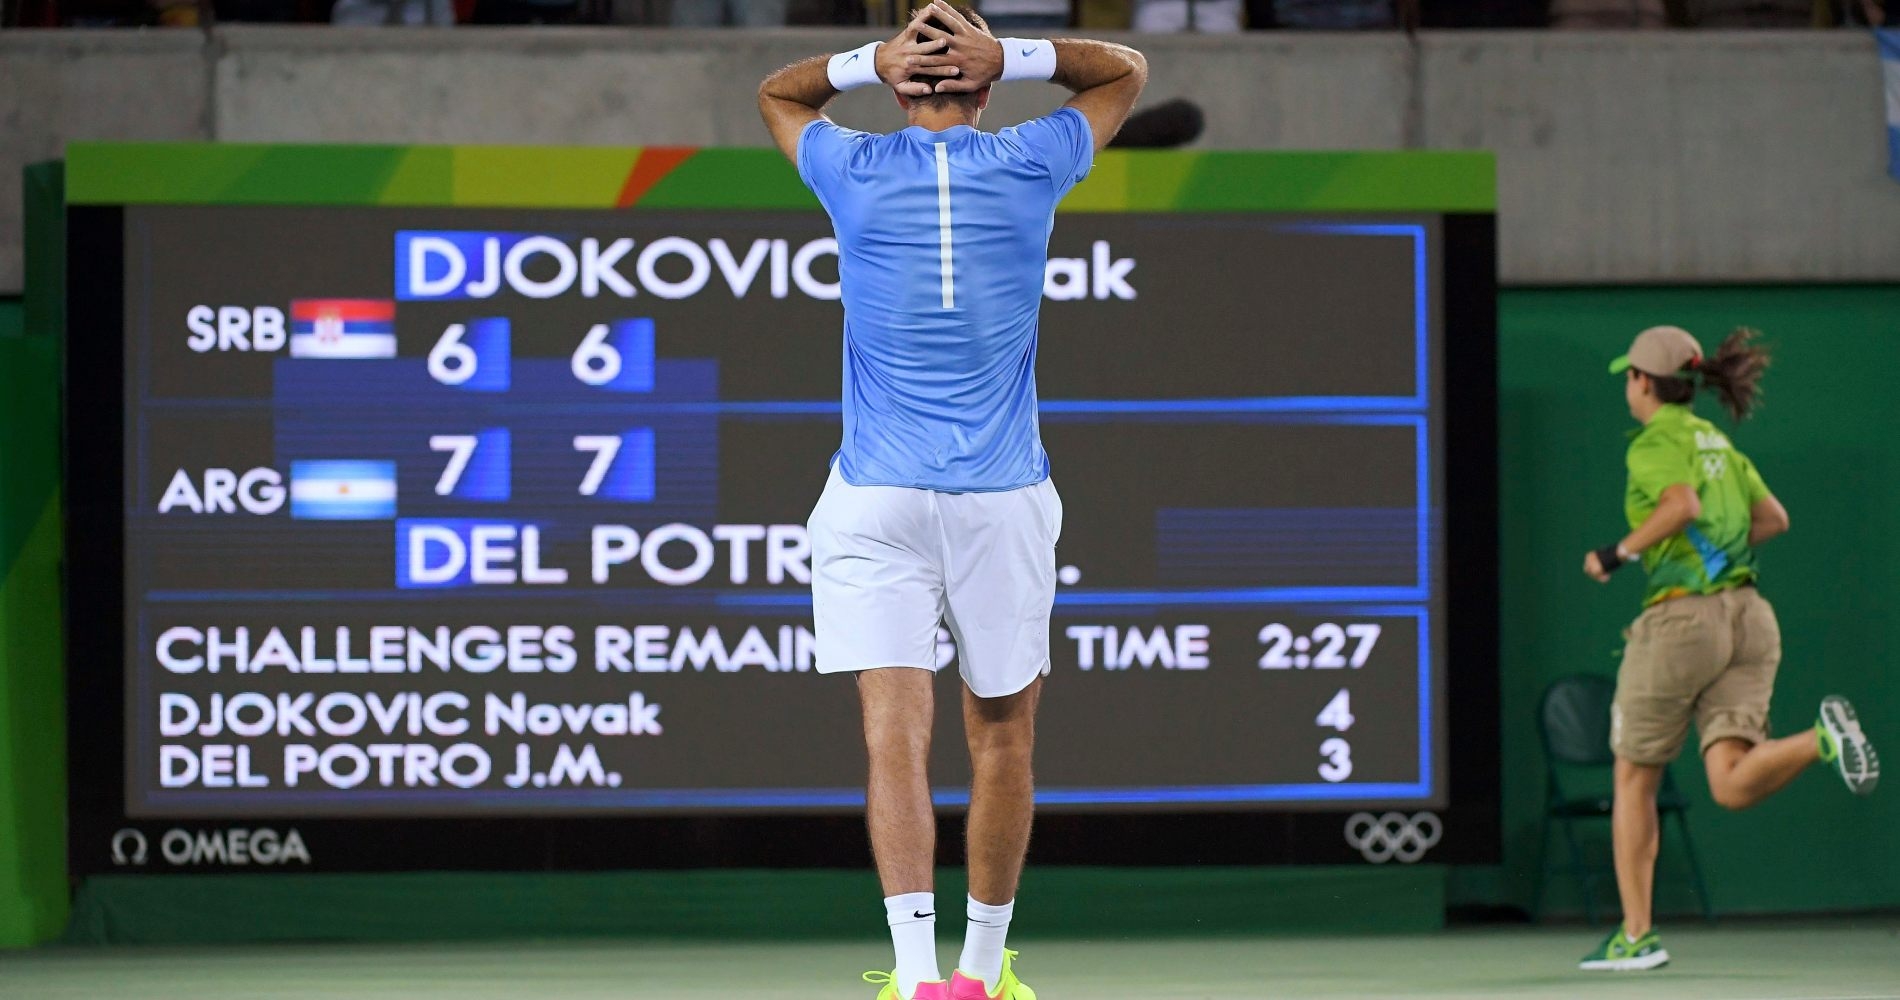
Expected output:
(343, 491)
(343, 328)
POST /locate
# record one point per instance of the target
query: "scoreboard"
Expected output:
(454, 487)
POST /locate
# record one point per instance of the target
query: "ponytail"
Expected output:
(1735, 372)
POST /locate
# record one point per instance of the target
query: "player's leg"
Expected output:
(1741, 774)
(1002, 734)
(1674, 648)
(898, 707)
(877, 597)
(1000, 583)
(897, 704)
(1745, 766)
(1636, 833)
(1635, 836)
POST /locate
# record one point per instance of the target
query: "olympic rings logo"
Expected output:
(1393, 835)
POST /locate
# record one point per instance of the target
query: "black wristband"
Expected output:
(1609, 558)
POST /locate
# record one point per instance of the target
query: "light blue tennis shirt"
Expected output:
(942, 242)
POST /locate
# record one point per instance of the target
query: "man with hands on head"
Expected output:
(939, 509)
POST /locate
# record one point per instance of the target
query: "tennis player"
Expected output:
(939, 507)
(1707, 644)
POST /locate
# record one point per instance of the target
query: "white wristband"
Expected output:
(1028, 58)
(854, 69)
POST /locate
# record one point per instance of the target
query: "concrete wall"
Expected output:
(1675, 157)
(1642, 157)
(60, 86)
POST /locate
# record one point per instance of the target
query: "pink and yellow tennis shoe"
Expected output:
(963, 987)
(935, 989)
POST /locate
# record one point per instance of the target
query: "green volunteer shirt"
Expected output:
(1712, 554)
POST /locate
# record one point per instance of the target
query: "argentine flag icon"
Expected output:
(343, 491)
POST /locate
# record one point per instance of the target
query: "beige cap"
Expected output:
(1660, 351)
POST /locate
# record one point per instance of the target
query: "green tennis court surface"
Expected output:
(1844, 959)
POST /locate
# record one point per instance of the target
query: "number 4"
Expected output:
(1338, 713)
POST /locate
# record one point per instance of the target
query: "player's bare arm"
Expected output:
(1767, 518)
(1676, 509)
(795, 96)
(1107, 79)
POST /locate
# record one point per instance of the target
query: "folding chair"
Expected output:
(1573, 723)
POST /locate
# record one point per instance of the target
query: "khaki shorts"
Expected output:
(1711, 657)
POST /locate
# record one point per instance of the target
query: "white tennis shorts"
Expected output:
(889, 563)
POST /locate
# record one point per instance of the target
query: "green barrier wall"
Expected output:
(32, 718)
(1827, 443)
(33, 890)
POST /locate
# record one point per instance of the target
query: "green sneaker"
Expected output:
(1618, 953)
(1845, 746)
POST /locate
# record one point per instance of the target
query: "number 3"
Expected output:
(1338, 754)
(1338, 713)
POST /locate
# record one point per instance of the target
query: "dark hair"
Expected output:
(1734, 374)
(967, 101)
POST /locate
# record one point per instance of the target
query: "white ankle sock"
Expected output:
(913, 920)
(983, 942)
